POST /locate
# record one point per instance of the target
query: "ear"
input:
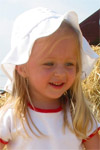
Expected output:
(21, 69)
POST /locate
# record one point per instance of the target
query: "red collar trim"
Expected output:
(45, 110)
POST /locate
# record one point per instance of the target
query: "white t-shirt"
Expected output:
(49, 122)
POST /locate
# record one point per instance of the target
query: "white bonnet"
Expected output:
(36, 23)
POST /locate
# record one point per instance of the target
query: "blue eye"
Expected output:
(49, 64)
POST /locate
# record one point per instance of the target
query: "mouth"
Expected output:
(56, 85)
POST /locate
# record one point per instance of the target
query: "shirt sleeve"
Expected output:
(5, 127)
(95, 130)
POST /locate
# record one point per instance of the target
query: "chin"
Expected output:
(55, 96)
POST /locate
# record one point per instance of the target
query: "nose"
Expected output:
(60, 71)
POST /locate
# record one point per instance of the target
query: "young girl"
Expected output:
(47, 109)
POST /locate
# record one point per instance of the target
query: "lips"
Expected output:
(57, 85)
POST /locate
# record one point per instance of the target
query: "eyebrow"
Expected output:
(53, 59)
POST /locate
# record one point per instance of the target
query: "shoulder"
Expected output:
(6, 114)
(93, 140)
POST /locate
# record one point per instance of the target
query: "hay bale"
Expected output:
(3, 97)
(91, 87)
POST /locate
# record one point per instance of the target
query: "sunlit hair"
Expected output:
(74, 99)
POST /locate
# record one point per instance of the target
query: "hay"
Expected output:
(91, 87)
(3, 98)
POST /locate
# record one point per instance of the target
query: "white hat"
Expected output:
(36, 23)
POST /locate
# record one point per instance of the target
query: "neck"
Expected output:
(45, 103)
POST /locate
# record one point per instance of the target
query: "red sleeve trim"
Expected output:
(90, 136)
(3, 142)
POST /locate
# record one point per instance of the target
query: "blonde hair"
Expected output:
(80, 113)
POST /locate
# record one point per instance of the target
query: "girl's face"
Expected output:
(51, 73)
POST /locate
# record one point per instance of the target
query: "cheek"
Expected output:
(72, 71)
(39, 80)
(39, 76)
(43, 73)
(72, 75)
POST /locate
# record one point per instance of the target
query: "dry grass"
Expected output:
(91, 88)
(3, 98)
